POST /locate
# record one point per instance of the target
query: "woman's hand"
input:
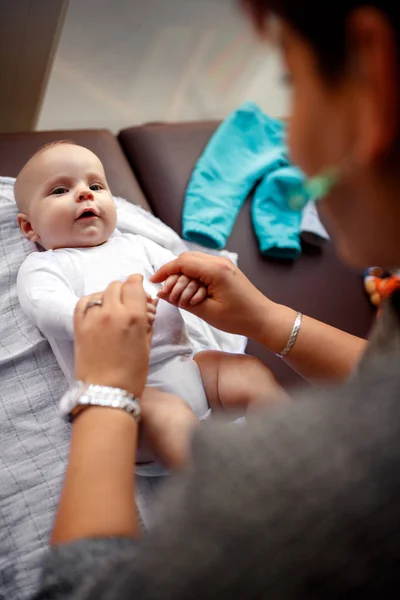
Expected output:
(232, 302)
(234, 305)
(112, 341)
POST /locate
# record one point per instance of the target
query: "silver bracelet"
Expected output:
(293, 336)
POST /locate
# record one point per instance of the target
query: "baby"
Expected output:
(67, 209)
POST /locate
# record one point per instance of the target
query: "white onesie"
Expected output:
(50, 284)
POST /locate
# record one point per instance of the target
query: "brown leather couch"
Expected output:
(150, 165)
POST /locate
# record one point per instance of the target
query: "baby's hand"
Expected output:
(183, 291)
(151, 309)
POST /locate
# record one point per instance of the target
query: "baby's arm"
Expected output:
(46, 296)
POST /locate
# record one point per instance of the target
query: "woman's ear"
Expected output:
(375, 72)
(26, 228)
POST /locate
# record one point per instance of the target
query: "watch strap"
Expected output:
(85, 395)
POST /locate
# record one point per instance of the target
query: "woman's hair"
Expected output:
(322, 23)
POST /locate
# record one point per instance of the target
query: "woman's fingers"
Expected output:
(132, 291)
(138, 302)
(192, 264)
(83, 307)
(171, 268)
(80, 310)
(134, 298)
(112, 296)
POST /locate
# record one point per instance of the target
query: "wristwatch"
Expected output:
(81, 395)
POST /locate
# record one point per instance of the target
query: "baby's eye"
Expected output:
(59, 190)
(95, 187)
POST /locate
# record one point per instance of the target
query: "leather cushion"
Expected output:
(17, 148)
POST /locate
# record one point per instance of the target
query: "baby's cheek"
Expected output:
(110, 214)
(57, 227)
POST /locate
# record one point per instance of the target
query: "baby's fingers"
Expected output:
(190, 290)
(168, 286)
(151, 317)
(199, 296)
(179, 287)
(152, 305)
(151, 310)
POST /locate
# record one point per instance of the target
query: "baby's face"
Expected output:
(68, 202)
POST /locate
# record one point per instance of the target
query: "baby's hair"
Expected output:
(52, 145)
(17, 192)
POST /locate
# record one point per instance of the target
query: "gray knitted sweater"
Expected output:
(301, 503)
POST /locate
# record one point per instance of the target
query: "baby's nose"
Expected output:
(86, 195)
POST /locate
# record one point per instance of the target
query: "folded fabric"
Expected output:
(246, 146)
(276, 225)
(312, 230)
(247, 151)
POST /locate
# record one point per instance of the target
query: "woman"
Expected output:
(304, 503)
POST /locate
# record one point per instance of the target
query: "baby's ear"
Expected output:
(26, 228)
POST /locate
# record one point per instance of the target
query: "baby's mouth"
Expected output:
(87, 214)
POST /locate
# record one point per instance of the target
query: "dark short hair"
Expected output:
(322, 23)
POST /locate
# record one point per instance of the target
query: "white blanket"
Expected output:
(34, 440)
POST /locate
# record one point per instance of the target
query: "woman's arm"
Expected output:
(112, 345)
(321, 352)
(98, 491)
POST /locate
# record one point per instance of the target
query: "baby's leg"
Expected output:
(167, 422)
(236, 381)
